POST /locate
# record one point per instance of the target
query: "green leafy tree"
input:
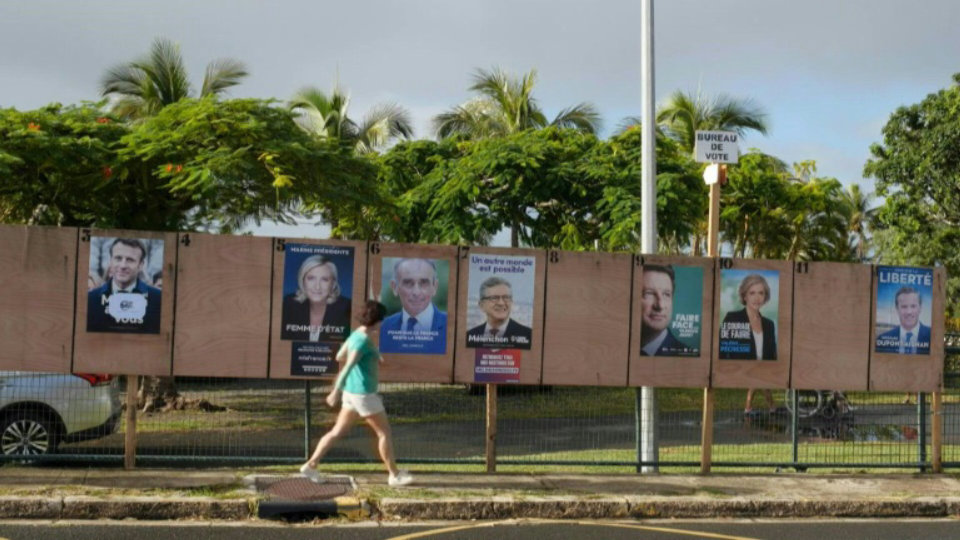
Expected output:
(326, 115)
(684, 114)
(917, 170)
(505, 105)
(143, 87)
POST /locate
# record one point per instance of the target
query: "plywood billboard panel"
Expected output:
(906, 337)
(744, 288)
(319, 287)
(499, 333)
(121, 327)
(831, 326)
(672, 329)
(587, 319)
(223, 306)
(418, 284)
(37, 277)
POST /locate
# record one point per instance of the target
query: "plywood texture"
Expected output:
(223, 306)
(281, 349)
(132, 354)
(756, 373)
(831, 326)
(910, 372)
(465, 358)
(37, 275)
(587, 319)
(410, 367)
(673, 371)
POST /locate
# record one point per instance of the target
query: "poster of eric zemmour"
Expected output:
(904, 298)
(124, 285)
(414, 290)
(500, 301)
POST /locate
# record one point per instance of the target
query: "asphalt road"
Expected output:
(887, 529)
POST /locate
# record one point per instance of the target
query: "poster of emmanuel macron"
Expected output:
(124, 285)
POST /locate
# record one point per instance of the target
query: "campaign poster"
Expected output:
(317, 281)
(497, 366)
(749, 304)
(125, 285)
(904, 310)
(414, 290)
(500, 301)
(671, 301)
(314, 359)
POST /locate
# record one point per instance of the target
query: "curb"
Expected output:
(144, 508)
(571, 508)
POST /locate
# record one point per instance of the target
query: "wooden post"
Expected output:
(491, 443)
(713, 235)
(130, 431)
(936, 442)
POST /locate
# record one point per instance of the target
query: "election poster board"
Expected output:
(831, 325)
(317, 292)
(907, 329)
(671, 338)
(587, 322)
(418, 285)
(753, 307)
(124, 316)
(499, 308)
(223, 306)
(37, 277)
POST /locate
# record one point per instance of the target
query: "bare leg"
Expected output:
(749, 406)
(769, 397)
(345, 421)
(381, 428)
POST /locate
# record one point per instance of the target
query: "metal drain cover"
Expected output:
(302, 489)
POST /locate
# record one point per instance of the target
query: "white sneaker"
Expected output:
(312, 474)
(401, 479)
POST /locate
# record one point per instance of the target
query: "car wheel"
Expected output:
(28, 434)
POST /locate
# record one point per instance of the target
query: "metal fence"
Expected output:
(258, 422)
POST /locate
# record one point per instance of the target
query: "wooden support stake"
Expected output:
(706, 435)
(130, 430)
(713, 235)
(936, 442)
(491, 443)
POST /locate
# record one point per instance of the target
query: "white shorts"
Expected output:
(365, 404)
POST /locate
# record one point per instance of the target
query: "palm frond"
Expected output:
(222, 74)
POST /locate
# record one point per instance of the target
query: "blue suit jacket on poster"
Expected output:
(671, 346)
(889, 341)
(393, 339)
(99, 321)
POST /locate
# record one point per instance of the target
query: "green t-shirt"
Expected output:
(362, 377)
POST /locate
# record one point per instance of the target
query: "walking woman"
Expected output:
(357, 382)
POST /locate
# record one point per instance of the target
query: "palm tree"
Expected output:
(326, 116)
(684, 114)
(141, 88)
(506, 105)
(861, 215)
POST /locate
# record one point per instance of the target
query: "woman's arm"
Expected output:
(351, 354)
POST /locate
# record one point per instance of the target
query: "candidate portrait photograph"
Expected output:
(668, 308)
(904, 297)
(749, 305)
(317, 281)
(414, 291)
(124, 293)
(500, 301)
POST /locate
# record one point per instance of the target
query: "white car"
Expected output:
(38, 411)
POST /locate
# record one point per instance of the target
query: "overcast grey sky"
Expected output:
(828, 72)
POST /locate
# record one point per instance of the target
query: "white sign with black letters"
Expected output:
(717, 147)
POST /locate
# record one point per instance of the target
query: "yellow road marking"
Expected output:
(685, 532)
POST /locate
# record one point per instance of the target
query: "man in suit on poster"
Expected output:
(420, 327)
(910, 336)
(656, 301)
(125, 303)
(499, 331)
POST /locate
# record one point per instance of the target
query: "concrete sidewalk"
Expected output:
(57, 493)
